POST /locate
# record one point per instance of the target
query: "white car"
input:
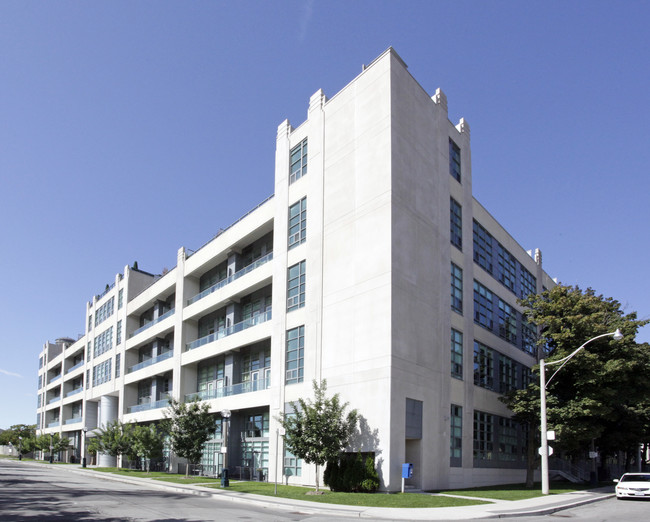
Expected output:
(633, 485)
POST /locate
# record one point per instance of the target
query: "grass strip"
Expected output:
(514, 491)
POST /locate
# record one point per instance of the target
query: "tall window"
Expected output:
(507, 374)
(507, 322)
(102, 372)
(483, 366)
(103, 342)
(456, 289)
(454, 160)
(527, 283)
(104, 311)
(298, 161)
(456, 354)
(120, 298)
(118, 333)
(295, 355)
(483, 306)
(298, 223)
(456, 436)
(508, 440)
(483, 436)
(296, 286)
(528, 337)
(482, 247)
(456, 223)
(507, 268)
(118, 359)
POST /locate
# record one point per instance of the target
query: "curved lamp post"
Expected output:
(83, 454)
(543, 383)
(225, 414)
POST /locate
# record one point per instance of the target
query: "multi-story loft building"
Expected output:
(372, 266)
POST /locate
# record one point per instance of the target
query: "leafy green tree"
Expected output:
(603, 394)
(148, 443)
(60, 443)
(319, 429)
(94, 446)
(190, 426)
(15, 432)
(116, 439)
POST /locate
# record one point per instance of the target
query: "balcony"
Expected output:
(75, 391)
(73, 420)
(148, 405)
(228, 391)
(54, 399)
(54, 424)
(76, 366)
(268, 257)
(243, 325)
(151, 323)
(149, 362)
(54, 379)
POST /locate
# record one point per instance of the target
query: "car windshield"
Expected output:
(635, 478)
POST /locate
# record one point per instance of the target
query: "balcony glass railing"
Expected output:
(73, 421)
(54, 399)
(54, 379)
(149, 362)
(53, 424)
(75, 391)
(243, 325)
(151, 323)
(228, 280)
(227, 391)
(148, 406)
(78, 365)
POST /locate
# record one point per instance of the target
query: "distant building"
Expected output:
(372, 266)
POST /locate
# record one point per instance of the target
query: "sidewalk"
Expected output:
(496, 509)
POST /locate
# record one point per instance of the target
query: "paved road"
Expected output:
(604, 511)
(46, 494)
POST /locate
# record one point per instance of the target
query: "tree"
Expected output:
(603, 394)
(148, 443)
(190, 426)
(93, 447)
(20, 436)
(317, 431)
(115, 439)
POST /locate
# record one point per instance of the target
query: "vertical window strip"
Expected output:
(456, 436)
(295, 355)
(298, 223)
(454, 160)
(296, 286)
(456, 354)
(298, 162)
(456, 223)
(456, 288)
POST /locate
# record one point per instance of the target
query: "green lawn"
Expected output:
(397, 500)
(515, 491)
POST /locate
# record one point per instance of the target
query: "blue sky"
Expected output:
(129, 129)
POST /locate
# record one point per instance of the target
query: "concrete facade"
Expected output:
(351, 257)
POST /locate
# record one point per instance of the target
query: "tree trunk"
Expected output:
(317, 477)
(531, 460)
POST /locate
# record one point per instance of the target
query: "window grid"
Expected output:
(456, 288)
(528, 337)
(103, 342)
(298, 223)
(483, 366)
(527, 283)
(483, 306)
(456, 223)
(483, 435)
(118, 333)
(298, 161)
(507, 374)
(296, 286)
(102, 372)
(507, 322)
(118, 359)
(456, 436)
(454, 160)
(507, 271)
(508, 441)
(456, 354)
(104, 311)
(295, 355)
(482, 247)
(120, 298)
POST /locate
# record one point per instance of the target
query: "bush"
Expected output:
(351, 474)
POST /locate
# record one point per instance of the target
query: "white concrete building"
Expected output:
(384, 276)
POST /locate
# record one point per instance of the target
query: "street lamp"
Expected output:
(225, 414)
(20, 448)
(83, 454)
(543, 383)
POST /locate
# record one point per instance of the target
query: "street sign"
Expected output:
(550, 450)
(550, 435)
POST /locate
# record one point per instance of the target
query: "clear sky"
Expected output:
(129, 129)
